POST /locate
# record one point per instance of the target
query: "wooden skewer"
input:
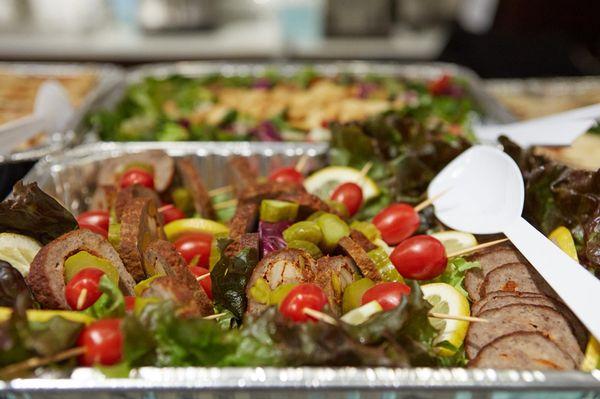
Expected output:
(454, 317)
(364, 171)
(324, 317)
(429, 201)
(81, 298)
(221, 190)
(214, 316)
(301, 164)
(476, 248)
(34, 362)
(202, 277)
(226, 204)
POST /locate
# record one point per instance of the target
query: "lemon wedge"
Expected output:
(324, 181)
(18, 250)
(361, 314)
(592, 356)
(447, 300)
(562, 237)
(179, 227)
(454, 241)
(41, 316)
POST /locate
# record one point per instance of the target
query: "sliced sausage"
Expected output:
(192, 180)
(527, 318)
(359, 256)
(515, 277)
(334, 274)
(163, 258)
(489, 259)
(46, 277)
(140, 225)
(285, 266)
(523, 351)
(162, 165)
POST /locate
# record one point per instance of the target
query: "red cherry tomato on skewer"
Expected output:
(194, 244)
(287, 174)
(96, 218)
(440, 86)
(87, 279)
(420, 258)
(206, 282)
(388, 294)
(137, 176)
(129, 304)
(94, 229)
(103, 343)
(397, 222)
(349, 194)
(170, 213)
(301, 297)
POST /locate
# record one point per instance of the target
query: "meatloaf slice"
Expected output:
(515, 277)
(192, 180)
(285, 266)
(334, 274)
(359, 256)
(171, 289)
(523, 351)
(246, 240)
(162, 165)
(162, 257)
(523, 318)
(488, 259)
(46, 277)
(126, 195)
(140, 225)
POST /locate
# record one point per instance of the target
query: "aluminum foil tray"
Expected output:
(108, 78)
(70, 178)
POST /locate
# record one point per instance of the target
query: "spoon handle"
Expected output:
(577, 287)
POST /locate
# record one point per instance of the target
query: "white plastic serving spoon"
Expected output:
(485, 195)
(51, 113)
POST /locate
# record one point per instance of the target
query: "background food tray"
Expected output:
(70, 178)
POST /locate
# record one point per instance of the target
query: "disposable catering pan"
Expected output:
(70, 178)
(491, 110)
(103, 78)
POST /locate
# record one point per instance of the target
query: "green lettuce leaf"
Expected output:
(454, 274)
(111, 303)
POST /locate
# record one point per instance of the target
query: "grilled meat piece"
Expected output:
(126, 195)
(244, 220)
(242, 175)
(193, 183)
(171, 289)
(334, 274)
(362, 240)
(246, 240)
(360, 257)
(103, 198)
(46, 277)
(515, 277)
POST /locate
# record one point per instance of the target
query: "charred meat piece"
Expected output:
(488, 260)
(359, 256)
(162, 165)
(334, 274)
(46, 277)
(523, 318)
(126, 195)
(171, 289)
(362, 240)
(242, 175)
(162, 257)
(270, 190)
(515, 277)
(309, 203)
(103, 198)
(523, 351)
(246, 240)
(140, 225)
(193, 183)
(281, 267)
(244, 220)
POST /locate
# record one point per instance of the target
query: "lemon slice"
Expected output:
(361, 314)
(592, 355)
(194, 225)
(18, 250)
(41, 316)
(454, 241)
(562, 237)
(447, 300)
(324, 181)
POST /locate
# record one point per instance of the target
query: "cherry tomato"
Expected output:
(287, 174)
(440, 86)
(129, 304)
(103, 343)
(397, 222)
(206, 282)
(87, 279)
(194, 244)
(349, 194)
(388, 294)
(95, 218)
(420, 257)
(137, 176)
(300, 297)
(94, 228)
(170, 212)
